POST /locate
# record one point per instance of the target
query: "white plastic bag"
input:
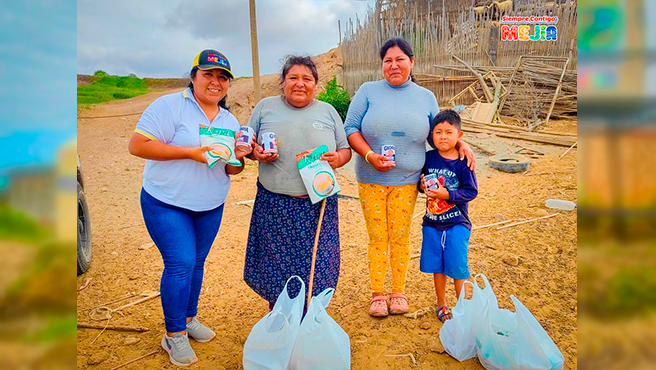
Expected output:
(321, 343)
(271, 341)
(222, 145)
(514, 340)
(535, 348)
(495, 338)
(457, 335)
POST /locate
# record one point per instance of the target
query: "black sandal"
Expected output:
(442, 312)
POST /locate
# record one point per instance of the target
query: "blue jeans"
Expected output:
(184, 239)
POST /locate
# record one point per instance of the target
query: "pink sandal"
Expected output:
(378, 306)
(399, 304)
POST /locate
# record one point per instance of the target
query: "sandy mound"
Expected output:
(240, 97)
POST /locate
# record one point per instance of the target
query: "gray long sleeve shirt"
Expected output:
(392, 115)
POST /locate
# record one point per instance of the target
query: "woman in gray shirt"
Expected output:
(284, 220)
(391, 112)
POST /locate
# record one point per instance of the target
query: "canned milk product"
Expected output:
(389, 152)
(430, 181)
(244, 136)
(268, 142)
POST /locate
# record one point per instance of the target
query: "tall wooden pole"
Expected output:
(256, 59)
(339, 29)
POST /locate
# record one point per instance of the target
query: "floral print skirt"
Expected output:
(280, 242)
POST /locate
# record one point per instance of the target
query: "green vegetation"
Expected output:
(56, 328)
(109, 88)
(616, 280)
(337, 97)
(17, 226)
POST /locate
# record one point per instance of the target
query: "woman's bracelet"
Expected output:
(366, 156)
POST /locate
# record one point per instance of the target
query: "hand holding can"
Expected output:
(244, 136)
(269, 142)
(430, 181)
(389, 152)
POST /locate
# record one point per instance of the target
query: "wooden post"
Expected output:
(314, 251)
(378, 30)
(560, 83)
(339, 29)
(494, 40)
(256, 59)
(443, 19)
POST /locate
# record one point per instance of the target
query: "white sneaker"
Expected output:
(179, 350)
(199, 332)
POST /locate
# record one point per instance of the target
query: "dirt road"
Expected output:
(544, 278)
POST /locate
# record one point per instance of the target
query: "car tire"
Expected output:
(509, 163)
(83, 232)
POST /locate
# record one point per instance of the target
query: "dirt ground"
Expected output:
(539, 267)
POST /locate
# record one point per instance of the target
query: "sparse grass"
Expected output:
(109, 88)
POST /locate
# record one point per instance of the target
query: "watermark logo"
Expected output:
(515, 28)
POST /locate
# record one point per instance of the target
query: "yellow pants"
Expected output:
(388, 214)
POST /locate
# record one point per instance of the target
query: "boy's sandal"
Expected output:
(378, 306)
(399, 303)
(443, 314)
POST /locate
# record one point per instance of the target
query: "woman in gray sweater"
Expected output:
(284, 221)
(392, 112)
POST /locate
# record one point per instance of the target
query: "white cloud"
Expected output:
(160, 39)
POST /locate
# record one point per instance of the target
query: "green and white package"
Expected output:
(222, 145)
(318, 176)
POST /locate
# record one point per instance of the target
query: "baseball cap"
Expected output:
(212, 59)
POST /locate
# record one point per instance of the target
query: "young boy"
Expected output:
(449, 186)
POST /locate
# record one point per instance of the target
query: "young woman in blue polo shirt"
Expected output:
(182, 198)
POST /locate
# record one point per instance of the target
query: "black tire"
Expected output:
(509, 163)
(83, 232)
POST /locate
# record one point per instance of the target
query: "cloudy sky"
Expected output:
(154, 38)
(37, 55)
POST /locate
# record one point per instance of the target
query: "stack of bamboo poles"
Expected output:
(540, 80)
(533, 86)
(436, 32)
(514, 132)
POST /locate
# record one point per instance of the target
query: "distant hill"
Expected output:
(241, 96)
(152, 83)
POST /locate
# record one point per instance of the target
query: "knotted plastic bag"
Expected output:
(271, 341)
(514, 340)
(222, 145)
(321, 343)
(457, 335)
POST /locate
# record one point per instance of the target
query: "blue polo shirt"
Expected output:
(175, 119)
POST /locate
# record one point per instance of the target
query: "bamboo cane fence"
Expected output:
(470, 30)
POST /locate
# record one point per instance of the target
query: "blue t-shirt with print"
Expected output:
(460, 181)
